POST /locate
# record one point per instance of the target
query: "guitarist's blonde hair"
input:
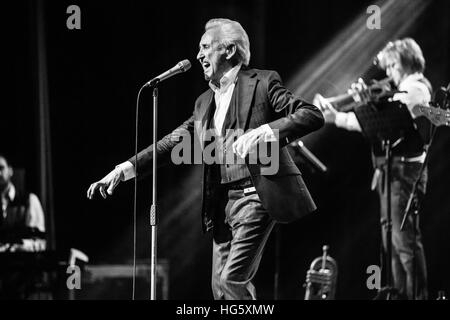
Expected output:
(407, 52)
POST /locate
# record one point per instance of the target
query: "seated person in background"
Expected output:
(21, 215)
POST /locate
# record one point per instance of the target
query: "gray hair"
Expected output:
(232, 34)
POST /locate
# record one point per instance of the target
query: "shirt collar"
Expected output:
(227, 79)
(413, 77)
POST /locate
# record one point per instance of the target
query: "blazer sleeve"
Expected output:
(298, 117)
(163, 149)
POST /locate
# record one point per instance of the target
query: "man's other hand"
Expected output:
(107, 184)
(248, 142)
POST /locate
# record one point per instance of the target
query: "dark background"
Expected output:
(93, 78)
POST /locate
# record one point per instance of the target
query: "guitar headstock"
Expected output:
(437, 116)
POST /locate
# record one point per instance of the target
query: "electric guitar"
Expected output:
(437, 116)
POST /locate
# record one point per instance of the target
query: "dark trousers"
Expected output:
(406, 244)
(240, 232)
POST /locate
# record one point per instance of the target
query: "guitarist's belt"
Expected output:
(419, 159)
(381, 163)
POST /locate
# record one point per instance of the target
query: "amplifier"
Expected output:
(114, 282)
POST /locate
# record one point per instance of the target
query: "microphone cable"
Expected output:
(135, 190)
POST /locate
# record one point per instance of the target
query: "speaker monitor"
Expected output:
(114, 282)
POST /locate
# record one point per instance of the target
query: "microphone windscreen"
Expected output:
(185, 65)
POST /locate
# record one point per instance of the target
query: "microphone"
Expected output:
(180, 67)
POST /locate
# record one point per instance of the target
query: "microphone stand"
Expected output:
(181, 67)
(390, 290)
(153, 224)
(276, 277)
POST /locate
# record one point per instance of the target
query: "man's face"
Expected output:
(212, 56)
(395, 70)
(5, 172)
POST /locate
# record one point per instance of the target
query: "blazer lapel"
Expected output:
(231, 116)
(246, 85)
(202, 122)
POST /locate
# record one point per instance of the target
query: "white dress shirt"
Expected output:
(222, 96)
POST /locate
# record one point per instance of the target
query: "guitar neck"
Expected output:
(437, 116)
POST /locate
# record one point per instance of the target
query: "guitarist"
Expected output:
(404, 63)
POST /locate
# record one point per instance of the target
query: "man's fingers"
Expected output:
(106, 185)
(113, 184)
(245, 147)
(91, 190)
(102, 191)
(245, 144)
(240, 147)
(252, 145)
(110, 189)
(235, 146)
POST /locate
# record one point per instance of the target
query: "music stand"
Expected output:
(388, 123)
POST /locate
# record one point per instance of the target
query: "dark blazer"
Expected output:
(262, 99)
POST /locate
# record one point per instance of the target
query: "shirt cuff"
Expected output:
(269, 135)
(127, 169)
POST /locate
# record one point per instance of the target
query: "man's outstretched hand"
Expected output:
(106, 185)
